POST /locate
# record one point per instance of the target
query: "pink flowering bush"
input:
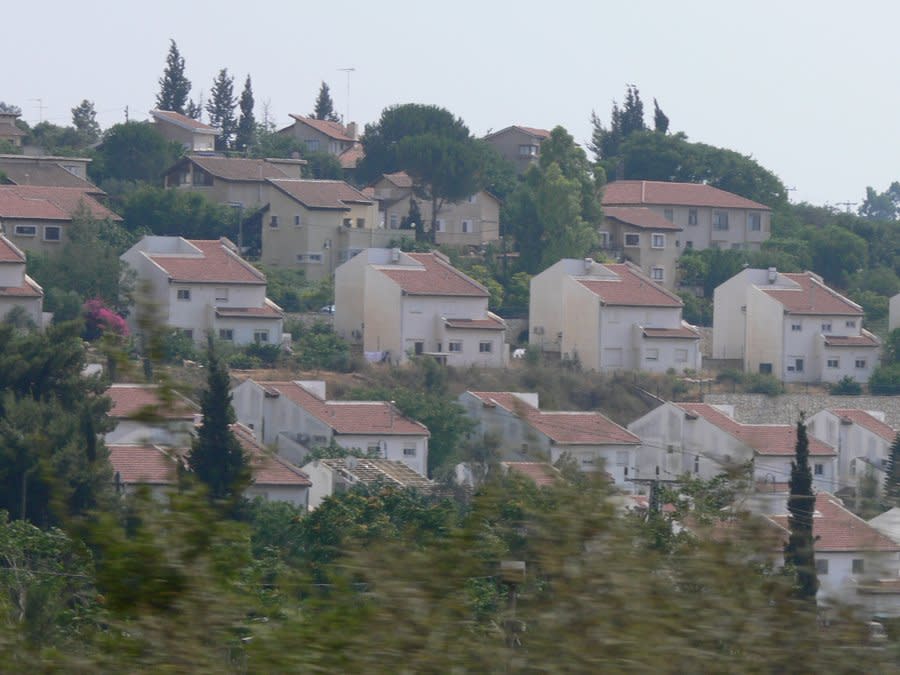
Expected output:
(100, 319)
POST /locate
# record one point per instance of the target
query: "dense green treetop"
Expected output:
(324, 108)
(246, 126)
(133, 151)
(220, 108)
(174, 87)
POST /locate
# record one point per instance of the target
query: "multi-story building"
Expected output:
(17, 289)
(401, 304)
(710, 218)
(326, 136)
(521, 146)
(792, 326)
(610, 317)
(644, 237)
(193, 135)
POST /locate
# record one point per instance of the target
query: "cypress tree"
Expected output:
(220, 108)
(660, 119)
(216, 456)
(246, 128)
(799, 552)
(892, 476)
(174, 87)
(324, 109)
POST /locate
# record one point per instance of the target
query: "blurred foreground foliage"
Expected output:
(381, 580)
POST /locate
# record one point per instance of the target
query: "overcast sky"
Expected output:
(801, 86)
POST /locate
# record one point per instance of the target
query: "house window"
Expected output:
(798, 365)
(754, 222)
(455, 346)
(409, 452)
(440, 224)
(348, 222)
(418, 348)
(696, 464)
(312, 144)
(221, 295)
(765, 368)
(669, 214)
(360, 223)
(485, 347)
(187, 332)
(819, 469)
(632, 240)
(821, 566)
(373, 449)
(796, 327)
(652, 354)
(395, 221)
(314, 257)
(296, 220)
(528, 151)
(604, 239)
(834, 363)
(681, 355)
(657, 273)
(26, 230)
(273, 221)
(226, 334)
(466, 226)
(260, 336)
(689, 244)
(860, 363)
(52, 233)
(858, 566)
(850, 323)
(692, 216)
(720, 220)
(658, 240)
(826, 327)
(183, 294)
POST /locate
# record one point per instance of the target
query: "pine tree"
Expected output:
(174, 87)
(892, 476)
(216, 456)
(84, 119)
(220, 108)
(799, 552)
(246, 128)
(605, 143)
(195, 108)
(660, 120)
(325, 106)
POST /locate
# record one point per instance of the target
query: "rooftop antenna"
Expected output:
(348, 71)
(846, 205)
(41, 107)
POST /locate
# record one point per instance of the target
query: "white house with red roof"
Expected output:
(710, 217)
(519, 145)
(792, 326)
(863, 442)
(17, 289)
(296, 417)
(142, 416)
(399, 304)
(523, 432)
(193, 135)
(144, 465)
(335, 475)
(37, 218)
(641, 235)
(705, 440)
(274, 479)
(610, 317)
(204, 287)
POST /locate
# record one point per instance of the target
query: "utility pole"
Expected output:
(41, 107)
(348, 71)
(126, 114)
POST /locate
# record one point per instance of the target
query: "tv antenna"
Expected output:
(348, 71)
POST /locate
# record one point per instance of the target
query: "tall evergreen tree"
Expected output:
(799, 552)
(174, 87)
(220, 108)
(325, 106)
(84, 119)
(246, 128)
(195, 108)
(606, 142)
(660, 120)
(892, 476)
(216, 456)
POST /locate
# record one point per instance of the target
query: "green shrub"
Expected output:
(885, 381)
(846, 386)
(759, 383)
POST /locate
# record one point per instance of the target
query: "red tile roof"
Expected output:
(235, 168)
(29, 289)
(641, 217)
(492, 322)
(867, 421)
(9, 252)
(835, 528)
(433, 276)
(350, 157)
(184, 121)
(143, 465)
(659, 193)
(541, 473)
(866, 339)
(686, 332)
(811, 297)
(216, 262)
(565, 428)
(350, 417)
(268, 468)
(41, 171)
(333, 130)
(36, 202)
(130, 400)
(764, 439)
(321, 194)
(401, 179)
(631, 288)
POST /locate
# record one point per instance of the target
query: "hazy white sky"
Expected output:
(801, 86)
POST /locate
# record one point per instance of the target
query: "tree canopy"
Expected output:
(324, 108)
(174, 87)
(245, 135)
(133, 151)
(220, 108)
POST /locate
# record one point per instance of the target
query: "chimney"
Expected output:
(773, 275)
(588, 263)
(351, 130)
